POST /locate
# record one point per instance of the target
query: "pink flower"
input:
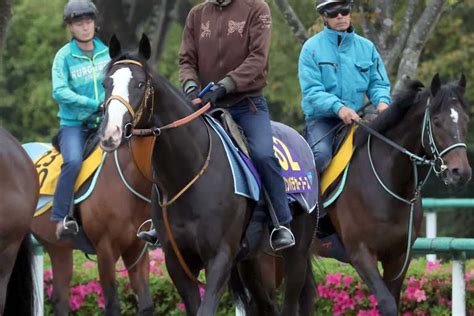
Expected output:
(407, 314)
(432, 265)
(359, 295)
(157, 255)
(333, 279)
(123, 273)
(373, 300)
(101, 301)
(368, 312)
(347, 280)
(49, 290)
(48, 274)
(181, 307)
(202, 291)
(88, 265)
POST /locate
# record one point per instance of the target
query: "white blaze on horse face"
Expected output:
(454, 115)
(116, 110)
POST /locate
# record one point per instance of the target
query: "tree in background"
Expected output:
(5, 14)
(399, 28)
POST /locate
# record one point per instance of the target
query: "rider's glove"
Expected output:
(214, 94)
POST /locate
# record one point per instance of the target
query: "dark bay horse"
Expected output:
(19, 188)
(202, 220)
(110, 217)
(380, 200)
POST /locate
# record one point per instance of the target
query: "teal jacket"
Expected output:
(340, 68)
(77, 81)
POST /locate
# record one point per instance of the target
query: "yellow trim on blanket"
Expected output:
(339, 162)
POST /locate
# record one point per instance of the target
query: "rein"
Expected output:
(130, 130)
(416, 161)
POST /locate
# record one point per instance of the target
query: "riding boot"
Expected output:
(282, 238)
(250, 243)
(67, 228)
(150, 236)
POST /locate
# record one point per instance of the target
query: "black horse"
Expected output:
(201, 220)
(379, 213)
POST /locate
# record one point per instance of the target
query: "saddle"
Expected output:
(232, 129)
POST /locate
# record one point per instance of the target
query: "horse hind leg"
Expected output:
(139, 278)
(308, 293)
(365, 264)
(296, 262)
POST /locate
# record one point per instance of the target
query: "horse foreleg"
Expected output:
(391, 269)
(62, 264)
(139, 278)
(106, 258)
(217, 274)
(8, 256)
(365, 264)
(187, 288)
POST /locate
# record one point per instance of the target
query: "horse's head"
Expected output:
(445, 130)
(129, 93)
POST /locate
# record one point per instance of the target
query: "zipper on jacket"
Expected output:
(339, 40)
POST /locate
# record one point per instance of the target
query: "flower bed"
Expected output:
(426, 290)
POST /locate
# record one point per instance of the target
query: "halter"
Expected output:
(436, 164)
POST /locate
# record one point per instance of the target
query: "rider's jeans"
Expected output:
(251, 114)
(320, 141)
(71, 144)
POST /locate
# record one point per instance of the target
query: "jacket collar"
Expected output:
(223, 4)
(99, 47)
(333, 36)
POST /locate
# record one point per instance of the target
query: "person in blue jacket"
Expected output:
(337, 70)
(77, 75)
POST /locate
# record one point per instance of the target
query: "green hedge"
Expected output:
(426, 291)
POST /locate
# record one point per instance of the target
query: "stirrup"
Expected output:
(70, 219)
(284, 247)
(141, 229)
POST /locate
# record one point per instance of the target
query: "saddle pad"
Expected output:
(297, 163)
(48, 163)
(339, 162)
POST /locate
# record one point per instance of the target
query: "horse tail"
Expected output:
(238, 291)
(20, 291)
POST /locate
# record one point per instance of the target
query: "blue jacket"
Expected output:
(333, 75)
(77, 81)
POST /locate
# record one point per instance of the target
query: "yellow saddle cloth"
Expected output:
(339, 162)
(48, 167)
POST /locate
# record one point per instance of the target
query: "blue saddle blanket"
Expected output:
(295, 158)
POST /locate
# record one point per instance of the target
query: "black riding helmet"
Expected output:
(76, 9)
(321, 5)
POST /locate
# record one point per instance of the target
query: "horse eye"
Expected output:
(141, 84)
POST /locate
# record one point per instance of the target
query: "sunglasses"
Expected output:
(335, 11)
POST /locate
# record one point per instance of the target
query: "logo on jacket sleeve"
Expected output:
(266, 20)
(234, 26)
(206, 29)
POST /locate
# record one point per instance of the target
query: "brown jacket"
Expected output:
(233, 42)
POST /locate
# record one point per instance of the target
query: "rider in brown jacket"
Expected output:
(227, 42)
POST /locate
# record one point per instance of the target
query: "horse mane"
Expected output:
(413, 93)
(158, 80)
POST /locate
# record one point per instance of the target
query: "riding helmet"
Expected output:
(322, 4)
(76, 9)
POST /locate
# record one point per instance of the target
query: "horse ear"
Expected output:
(435, 85)
(114, 47)
(145, 48)
(462, 83)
